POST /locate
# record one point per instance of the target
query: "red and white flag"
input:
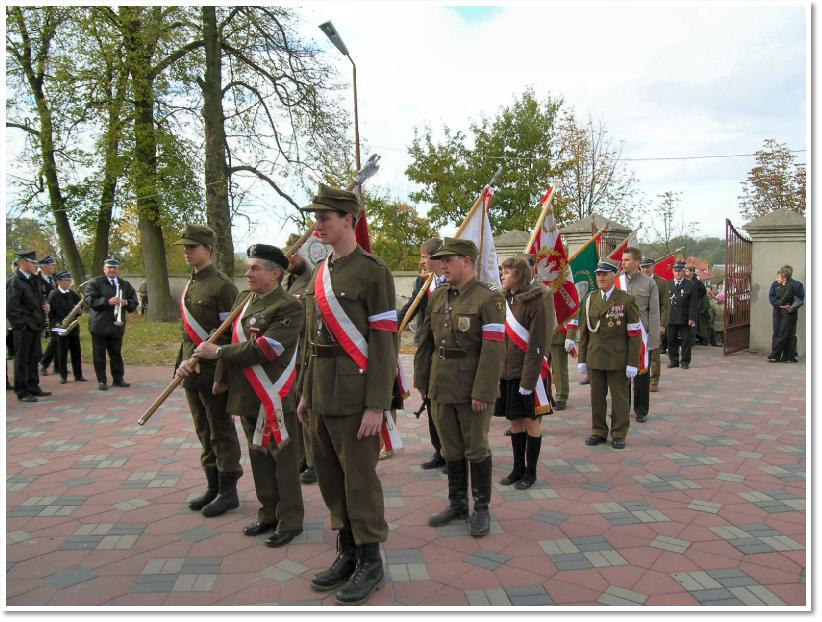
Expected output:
(478, 230)
(664, 268)
(552, 266)
(616, 254)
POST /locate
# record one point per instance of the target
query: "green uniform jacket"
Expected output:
(296, 286)
(664, 300)
(476, 375)
(209, 299)
(610, 347)
(336, 385)
(278, 316)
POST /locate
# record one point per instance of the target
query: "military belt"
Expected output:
(451, 353)
(320, 350)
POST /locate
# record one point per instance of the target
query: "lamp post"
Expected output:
(331, 33)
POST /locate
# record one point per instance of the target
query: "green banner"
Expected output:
(584, 267)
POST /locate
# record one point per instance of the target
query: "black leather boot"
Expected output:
(227, 498)
(532, 447)
(343, 567)
(367, 578)
(518, 445)
(198, 503)
(481, 491)
(457, 495)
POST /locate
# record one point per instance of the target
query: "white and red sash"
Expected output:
(195, 331)
(636, 329)
(270, 423)
(520, 336)
(354, 343)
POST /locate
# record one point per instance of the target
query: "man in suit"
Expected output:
(106, 335)
(47, 282)
(682, 318)
(799, 291)
(61, 302)
(647, 267)
(609, 350)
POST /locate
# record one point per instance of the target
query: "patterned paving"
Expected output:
(705, 507)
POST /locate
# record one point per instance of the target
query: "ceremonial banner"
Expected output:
(664, 268)
(478, 230)
(584, 268)
(551, 265)
(616, 254)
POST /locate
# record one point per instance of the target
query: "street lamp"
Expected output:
(331, 33)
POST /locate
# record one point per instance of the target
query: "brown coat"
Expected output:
(528, 307)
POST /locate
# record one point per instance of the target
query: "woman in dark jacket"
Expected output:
(522, 401)
(784, 299)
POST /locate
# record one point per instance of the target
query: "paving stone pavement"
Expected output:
(704, 507)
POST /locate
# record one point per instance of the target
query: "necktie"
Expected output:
(113, 284)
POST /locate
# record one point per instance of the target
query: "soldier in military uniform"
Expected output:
(47, 282)
(563, 342)
(61, 302)
(681, 318)
(348, 372)
(259, 370)
(205, 303)
(26, 313)
(609, 350)
(458, 365)
(647, 267)
(106, 336)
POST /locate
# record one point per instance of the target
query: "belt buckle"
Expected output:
(312, 347)
(441, 353)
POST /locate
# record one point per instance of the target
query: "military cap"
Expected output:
(27, 255)
(679, 266)
(330, 199)
(63, 276)
(48, 260)
(198, 234)
(455, 246)
(111, 262)
(266, 251)
(606, 266)
(646, 261)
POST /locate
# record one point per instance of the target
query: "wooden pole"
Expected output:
(178, 379)
(545, 207)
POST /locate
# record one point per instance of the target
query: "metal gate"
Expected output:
(737, 290)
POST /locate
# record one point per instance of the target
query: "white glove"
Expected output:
(525, 391)
(570, 344)
(631, 372)
(582, 367)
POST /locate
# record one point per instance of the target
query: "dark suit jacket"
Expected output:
(684, 302)
(101, 314)
(24, 303)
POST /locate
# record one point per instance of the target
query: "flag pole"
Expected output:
(584, 246)
(546, 205)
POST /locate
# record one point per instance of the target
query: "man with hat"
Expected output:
(205, 303)
(258, 368)
(61, 301)
(26, 313)
(106, 335)
(609, 352)
(458, 365)
(46, 281)
(681, 318)
(10, 331)
(647, 267)
(349, 366)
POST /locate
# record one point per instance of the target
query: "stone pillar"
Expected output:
(778, 239)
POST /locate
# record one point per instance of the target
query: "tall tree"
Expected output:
(397, 231)
(776, 182)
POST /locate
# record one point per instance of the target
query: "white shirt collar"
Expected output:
(62, 291)
(609, 292)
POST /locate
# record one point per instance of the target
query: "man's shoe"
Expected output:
(685, 365)
(102, 386)
(212, 479)
(436, 462)
(343, 567)
(227, 498)
(80, 379)
(120, 383)
(480, 523)
(281, 538)
(41, 393)
(654, 388)
(618, 443)
(255, 528)
(595, 440)
(63, 381)
(642, 418)
(368, 576)
(457, 495)
(309, 476)
(27, 398)
(672, 364)
(792, 361)
(560, 405)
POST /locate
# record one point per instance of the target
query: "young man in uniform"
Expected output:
(347, 377)
(61, 301)
(609, 348)
(563, 342)
(681, 318)
(458, 366)
(205, 303)
(258, 368)
(45, 276)
(647, 267)
(106, 336)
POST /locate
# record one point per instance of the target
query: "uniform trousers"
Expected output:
(641, 393)
(559, 370)
(65, 345)
(613, 381)
(463, 433)
(432, 430)
(215, 429)
(656, 366)
(52, 352)
(675, 334)
(27, 351)
(347, 474)
(277, 478)
(100, 345)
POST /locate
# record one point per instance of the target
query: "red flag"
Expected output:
(362, 233)
(616, 255)
(664, 268)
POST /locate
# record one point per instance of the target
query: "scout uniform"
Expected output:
(349, 365)
(61, 302)
(259, 367)
(205, 303)
(610, 343)
(664, 307)
(459, 359)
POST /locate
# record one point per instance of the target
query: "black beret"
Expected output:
(266, 251)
